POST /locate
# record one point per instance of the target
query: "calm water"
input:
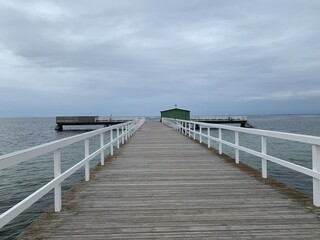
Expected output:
(19, 133)
(18, 182)
(294, 152)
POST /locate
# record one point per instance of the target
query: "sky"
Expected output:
(138, 57)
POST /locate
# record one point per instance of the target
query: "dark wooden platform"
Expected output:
(162, 185)
(227, 120)
(87, 120)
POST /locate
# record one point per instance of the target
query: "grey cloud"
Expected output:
(158, 53)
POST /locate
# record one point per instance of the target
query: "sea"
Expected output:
(19, 181)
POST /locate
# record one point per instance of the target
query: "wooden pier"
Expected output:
(243, 121)
(163, 185)
(88, 120)
(107, 121)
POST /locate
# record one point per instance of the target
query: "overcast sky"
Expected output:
(138, 57)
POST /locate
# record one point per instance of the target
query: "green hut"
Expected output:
(176, 113)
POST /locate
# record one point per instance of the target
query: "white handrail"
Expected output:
(218, 118)
(190, 128)
(114, 118)
(127, 129)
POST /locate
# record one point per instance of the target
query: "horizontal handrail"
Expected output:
(222, 118)
(114, 118)
(280, 135)
(127, 130)
(190, 128)
(30, 153)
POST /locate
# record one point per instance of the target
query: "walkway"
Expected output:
(163, 185)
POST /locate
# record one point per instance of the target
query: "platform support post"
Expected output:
(59, 127)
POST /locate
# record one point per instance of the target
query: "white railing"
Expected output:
(190, 128)
(122, 133)
(115, 119)
(218, 118)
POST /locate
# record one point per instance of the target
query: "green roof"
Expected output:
(175, 109)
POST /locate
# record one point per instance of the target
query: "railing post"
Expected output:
(118, 140)
(86, 154)
(220, 138)
(127, 126)
(122, 138)
(111, 139)
(129, 130)
(200, 133)
(316, 181)
(194, 131)
(264, 161)
(189, 127)
(101, 145)
(236, 141)
(132, 129)
(186, 126)
(57, 173)
(209, 135)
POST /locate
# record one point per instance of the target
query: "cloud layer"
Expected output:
(139, 57)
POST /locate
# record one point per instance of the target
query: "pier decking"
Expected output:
(163, 185)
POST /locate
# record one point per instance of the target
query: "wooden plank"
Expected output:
(162, 185)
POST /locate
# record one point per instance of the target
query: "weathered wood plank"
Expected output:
(162, 185)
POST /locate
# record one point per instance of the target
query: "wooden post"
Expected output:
(236, 141)
(220, 138)
(87, 165)
(122, 138)
(264, 161)
(127, 129)
(209, 140)
(316, 181)
(118, 140)
(57, 173)
(111, 139)
(101, 145)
